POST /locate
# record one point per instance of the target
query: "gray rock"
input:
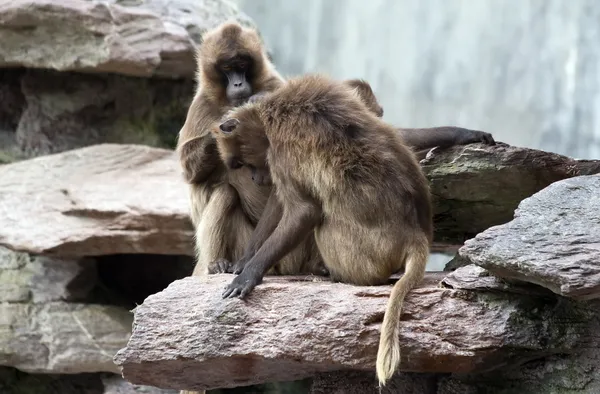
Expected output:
(42, 279)
(553, 241)
(475, 186)
(188, 337)
(62, 337)
(104, 199)
(575, 373)
(137, 38)
(117, 385)
(13, 381)
(63, 111)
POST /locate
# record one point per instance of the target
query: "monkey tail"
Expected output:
(388, 354)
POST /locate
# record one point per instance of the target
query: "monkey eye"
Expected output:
(242, 66)
(227, 68)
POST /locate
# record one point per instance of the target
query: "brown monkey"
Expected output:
(343, 176)
(225, 205)
(421, 140)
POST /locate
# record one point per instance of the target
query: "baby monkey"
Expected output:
(342, 176)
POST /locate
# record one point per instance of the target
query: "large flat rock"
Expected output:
(188, 337)
(138, 38)
(62, 337)
(103, 199)
(553, 240)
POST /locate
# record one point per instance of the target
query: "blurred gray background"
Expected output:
(525, 70)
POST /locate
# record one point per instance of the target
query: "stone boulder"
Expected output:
(476, 186)
(39, 279)
(64, 111)
(188, 337)
(104, 199)
(553, 240)
(136, 38)
(60, 337)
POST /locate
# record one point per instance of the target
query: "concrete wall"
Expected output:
(525, 70)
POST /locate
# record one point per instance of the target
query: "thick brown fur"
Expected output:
(225, 205)
(345, 177)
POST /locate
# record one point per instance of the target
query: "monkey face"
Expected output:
(244, 144)
(237, 74)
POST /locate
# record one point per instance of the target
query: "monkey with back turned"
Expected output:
(342, 176)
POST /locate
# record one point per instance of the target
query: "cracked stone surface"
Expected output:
(553, 240)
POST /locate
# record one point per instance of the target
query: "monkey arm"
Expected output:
(267, 223)
(296, 223)
(443, 137)
(199, 158)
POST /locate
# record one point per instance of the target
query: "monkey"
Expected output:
(343, 176)
(420, 140)
(232, 68)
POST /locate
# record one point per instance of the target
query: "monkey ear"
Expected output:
(229, 125)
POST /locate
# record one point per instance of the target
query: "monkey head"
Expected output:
(241, 141)
(366, 95)
(231, 59)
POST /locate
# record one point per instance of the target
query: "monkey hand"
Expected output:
(220, 266)
(474, 136)
(242, 285)
(224, 266)
(199, 157)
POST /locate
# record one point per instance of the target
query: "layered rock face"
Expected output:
(95, 240)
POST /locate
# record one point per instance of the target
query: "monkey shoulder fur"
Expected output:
(342, 176)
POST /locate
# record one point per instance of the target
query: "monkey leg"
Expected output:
(358, 256)
(213, 224)
(238, 232)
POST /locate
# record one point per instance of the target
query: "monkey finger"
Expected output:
(246, 290)
(238, 268)
(227, 292)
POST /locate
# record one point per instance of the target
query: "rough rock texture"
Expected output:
(64, 111)
(104, 199)
(61, 337)
(82, 202)
(24, 278)
(13, 381)
(153, 37)
(553, 241)
(44, 111)
(188, 337)
(475, 186)
(579, 372)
